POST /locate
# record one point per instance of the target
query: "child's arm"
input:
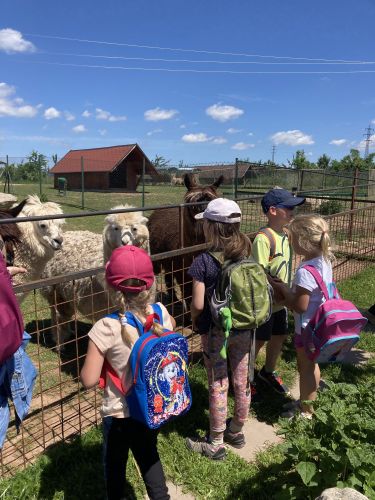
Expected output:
(92, 367)
(197, 302)
(297, 300)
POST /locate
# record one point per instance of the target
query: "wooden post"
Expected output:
(236, 179)
(82, 184)
(143, 181)
(352, 203)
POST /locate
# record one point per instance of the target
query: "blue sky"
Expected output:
(57, 94)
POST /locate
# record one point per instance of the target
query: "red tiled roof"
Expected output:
(98, 159)
(228, 171)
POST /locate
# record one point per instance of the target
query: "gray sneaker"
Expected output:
(206, 449)
(235, 439)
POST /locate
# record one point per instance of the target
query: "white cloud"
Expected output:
(101, 114)
(292, 138)
(155, 131)
(233, 130)
(158, 114)
(201, 137)
(241, 146)
(78, 129)
(219, 140)
(69, 116)
(250, 134)
(182, 126)
(51, 113)
(362, 144)
(338, 142)
(11, 41)
(102, 132)
(373, 121)
(13, 106)
(86, 114)
(223, 113)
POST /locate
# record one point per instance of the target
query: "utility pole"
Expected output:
(367, 135)
(273, 153)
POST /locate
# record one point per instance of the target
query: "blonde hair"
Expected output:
(311, 232)
(227, 238)
(136, 303)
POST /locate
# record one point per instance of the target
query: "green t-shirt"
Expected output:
(280, 265)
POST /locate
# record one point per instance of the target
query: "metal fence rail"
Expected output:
(60, 408)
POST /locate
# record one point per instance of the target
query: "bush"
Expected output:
(330, 207)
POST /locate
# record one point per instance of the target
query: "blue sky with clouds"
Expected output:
(247, 75)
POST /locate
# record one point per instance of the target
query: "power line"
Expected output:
(308, 63)
(176, 49)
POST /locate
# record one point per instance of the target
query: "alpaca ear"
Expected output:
(13, 212)
(144, 220)
(217, 183)
(190, 181)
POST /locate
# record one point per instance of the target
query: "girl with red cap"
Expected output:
(130, 272)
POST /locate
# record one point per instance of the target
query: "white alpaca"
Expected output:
(176, 181)
(39, 239)
(87, 250)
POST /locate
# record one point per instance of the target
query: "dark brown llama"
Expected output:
(165, 234)
(10, 233)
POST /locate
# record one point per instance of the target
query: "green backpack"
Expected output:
(242, 298)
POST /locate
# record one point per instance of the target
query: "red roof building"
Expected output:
(113, 167)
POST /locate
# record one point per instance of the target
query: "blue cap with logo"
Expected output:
(280, 198)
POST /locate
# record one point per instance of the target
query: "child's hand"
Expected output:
(14, 270)
(279, 290)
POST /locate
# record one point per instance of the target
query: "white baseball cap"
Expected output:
(221, 210)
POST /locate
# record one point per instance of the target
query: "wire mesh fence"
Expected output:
(58, 326)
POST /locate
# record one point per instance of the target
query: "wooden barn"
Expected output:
(113, 167)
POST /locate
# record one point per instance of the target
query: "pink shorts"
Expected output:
(297, 340)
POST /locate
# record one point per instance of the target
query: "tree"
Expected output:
(35, 166)
(160, 162)
(354, 160)
(300, 161)
(324, 162)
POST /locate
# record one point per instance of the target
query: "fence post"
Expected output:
(235, 178)
(352, 203)
(82, 184)
(143, 181)
(40, 178)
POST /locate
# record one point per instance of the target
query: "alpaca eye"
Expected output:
(115, 228)
(43, 226)
(135, 229)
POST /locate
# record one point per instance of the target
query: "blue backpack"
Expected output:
(160, 387)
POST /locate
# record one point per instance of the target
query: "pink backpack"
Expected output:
(334, 328)
(11, 323)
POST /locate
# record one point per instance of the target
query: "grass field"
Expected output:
(73, 470)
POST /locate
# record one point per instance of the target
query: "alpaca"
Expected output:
(10, 233)
(165, 234)
(176, 181)
(39, 239)
(87, 250)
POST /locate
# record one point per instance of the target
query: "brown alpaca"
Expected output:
(165, 235)
(10, 233)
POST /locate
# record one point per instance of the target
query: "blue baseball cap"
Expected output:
(280, 198)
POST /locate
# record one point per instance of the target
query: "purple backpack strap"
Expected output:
(318, 278)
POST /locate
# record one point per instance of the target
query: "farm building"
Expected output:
(114, 167)
(207, 173)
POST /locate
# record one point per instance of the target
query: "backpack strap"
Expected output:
(319, 280)
(267, 232)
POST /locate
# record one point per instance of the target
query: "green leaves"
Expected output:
(306, 470)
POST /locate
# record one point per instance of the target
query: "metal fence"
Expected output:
(60, 408)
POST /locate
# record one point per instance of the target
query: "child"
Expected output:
(221, 227)
(129, 271)
(310, 239)
(271, 249)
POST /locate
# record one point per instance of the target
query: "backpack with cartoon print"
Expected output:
(160, 387)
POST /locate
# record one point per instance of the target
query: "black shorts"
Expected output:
(276, 325)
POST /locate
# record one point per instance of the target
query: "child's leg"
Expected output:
(115, 451)
(309, 378)
(143, 444)
(238, 351)
(217, 374)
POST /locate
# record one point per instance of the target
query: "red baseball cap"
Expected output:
(129, 262)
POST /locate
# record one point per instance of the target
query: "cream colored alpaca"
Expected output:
(39, 240)
(86, 250)
(176, 181)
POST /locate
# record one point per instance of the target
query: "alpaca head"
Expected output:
(127, 228)
(197, 193)
(48, 233)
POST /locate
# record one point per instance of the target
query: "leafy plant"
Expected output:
(330, 207)
(337, 447)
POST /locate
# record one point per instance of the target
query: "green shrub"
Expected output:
(330, 207)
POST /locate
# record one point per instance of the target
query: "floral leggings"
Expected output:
(239, 346)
